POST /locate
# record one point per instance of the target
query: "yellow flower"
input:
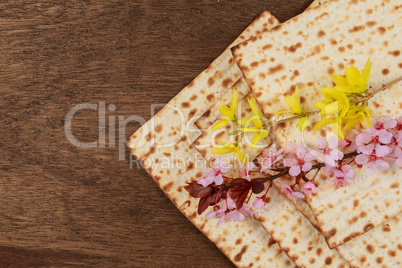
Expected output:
(230, 148)
(302, 124)
(259, 134)
(333, 109)
(294, 104)
(358, 114)
(335, 102)
(256, 118)
(228, 113)
(258, 128)
(336, 125)
(354, 82)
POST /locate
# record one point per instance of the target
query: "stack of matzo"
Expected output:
(323, 231)
(305, 51)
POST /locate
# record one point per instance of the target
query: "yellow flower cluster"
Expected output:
(295, 108)
(343, 107)
(339, 108)
(229, 114)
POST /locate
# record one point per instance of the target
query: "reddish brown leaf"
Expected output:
(197, 190)
(215, 198)
(203, 204)
(239, 194)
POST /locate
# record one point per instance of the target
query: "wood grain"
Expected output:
(61, 205)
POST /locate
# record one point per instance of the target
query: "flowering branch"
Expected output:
(317, 166)
(377, 146)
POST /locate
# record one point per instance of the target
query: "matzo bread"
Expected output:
(380, 247)
(296, 235)
(163, 147)
(211, 115)
(305, 51)
(344, 213)
(259, 249)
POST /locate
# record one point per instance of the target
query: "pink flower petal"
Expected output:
(381, 151)
(221, 220)
(363, 138)
(235, 215)
(336, 154)
(337, 172)
(219, 179)
(321, 142)
(398, 162)
(384, 136)
(301, 152)
(288, 162)
(381, 164)
(348, 171)
(230, 203)
(205, 181)
(258, 203)
(344, 143)
(266, 164)
(309, 157)
(298, 195)
(294, 171)
(390, 123)
(329, 161)
(306, 167)
(361, 159)
(210, 214)
(370, 168)
(366, 149)
(333, 142)
(309, 188)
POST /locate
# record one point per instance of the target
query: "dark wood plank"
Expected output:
(66, 206)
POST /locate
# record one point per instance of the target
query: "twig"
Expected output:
(320, 165)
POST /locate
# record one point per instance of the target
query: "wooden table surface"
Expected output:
(61, 205)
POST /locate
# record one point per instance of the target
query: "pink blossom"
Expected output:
(309, 188)
(245, 170)
(328, 150)
(245, 210)
(373, 136)
(289, 193)
(218, 212)
(223, 209)
(340, 175)
(226, 210)
(384, 122)
(298, 160)
(211, 175)
(375, 159)
(396, 142)
(270, 156)
(350, 142)
(398, 124)
(259, 202)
